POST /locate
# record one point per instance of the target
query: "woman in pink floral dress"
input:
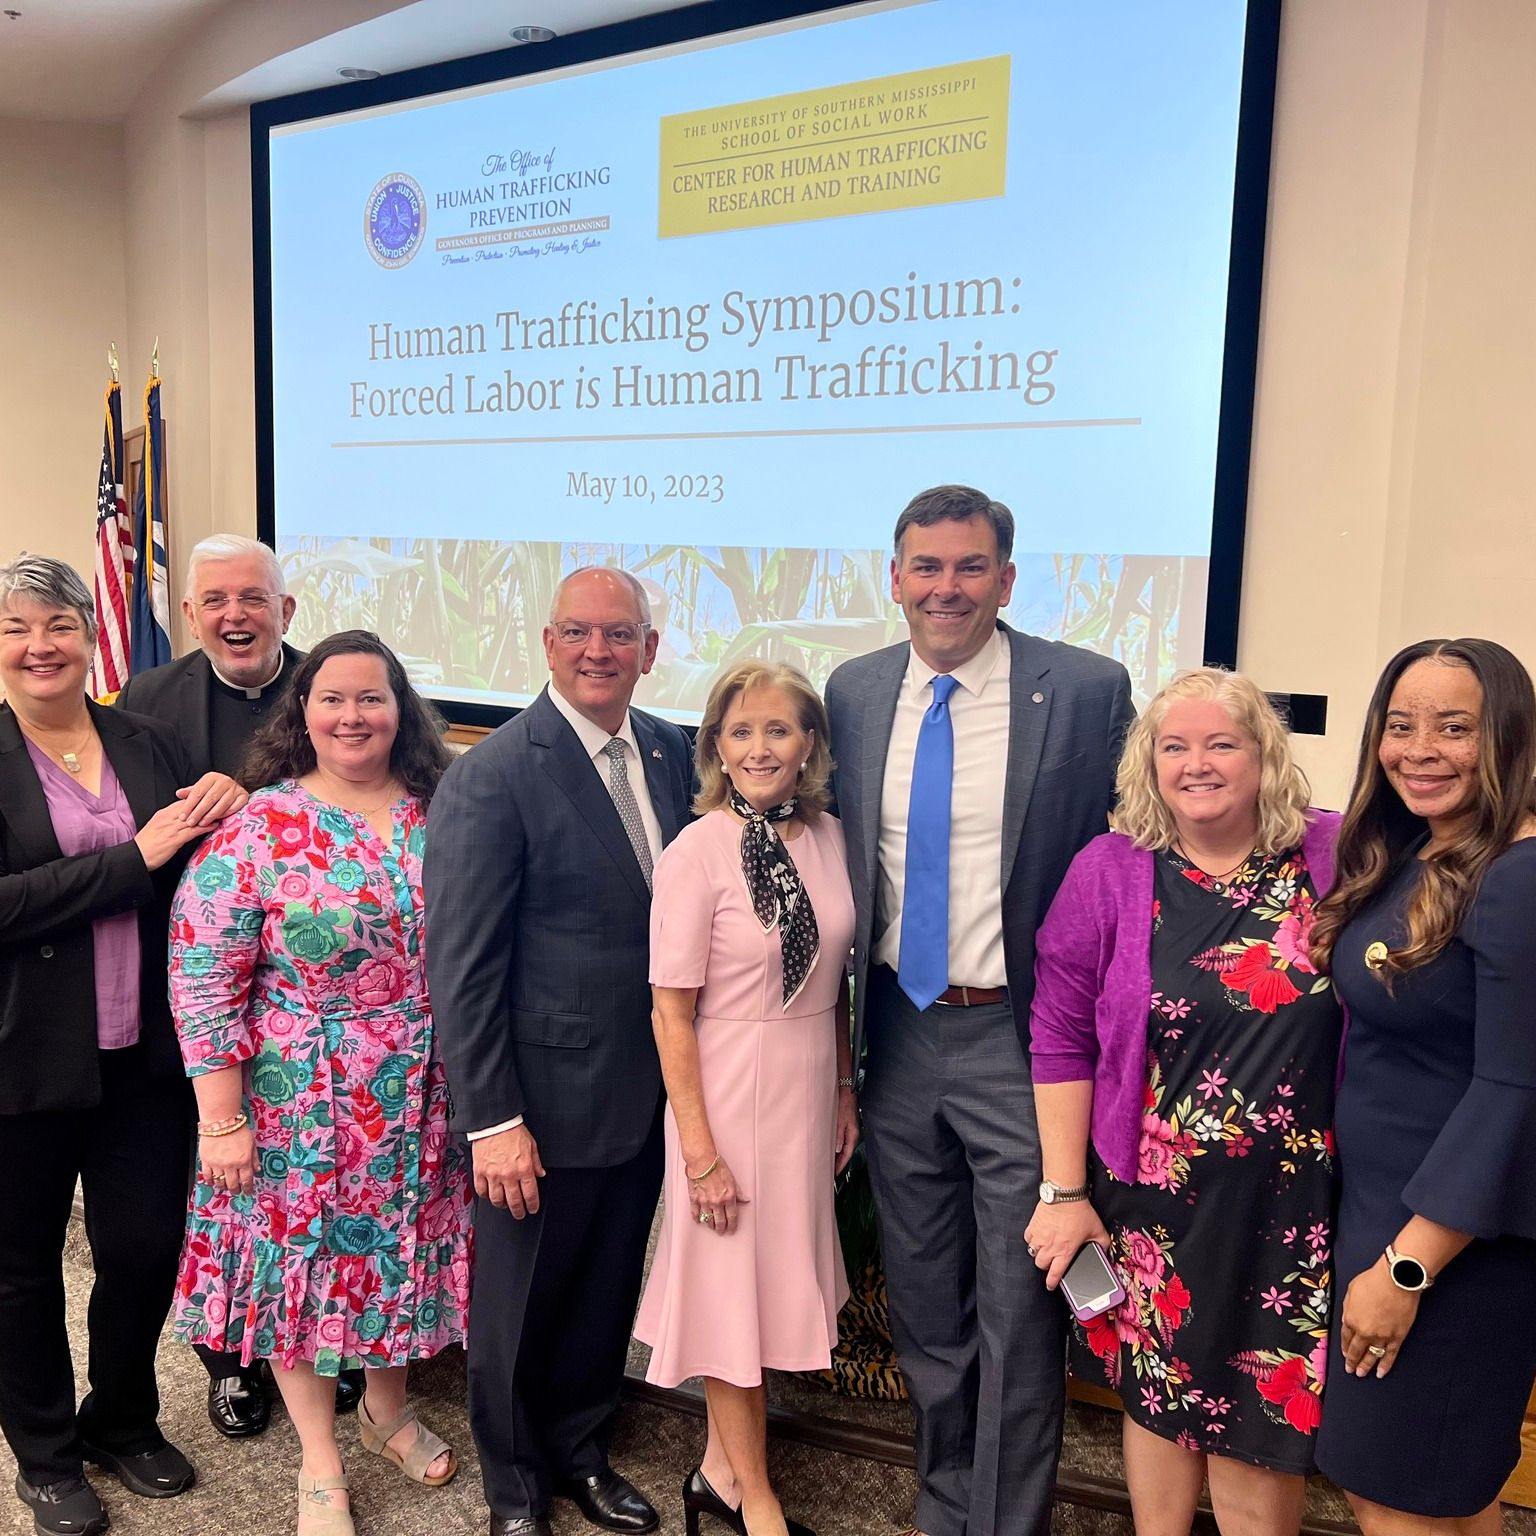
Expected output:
(329, 1225)
(1184, 1052)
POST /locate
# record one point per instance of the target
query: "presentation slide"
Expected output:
(715, 313)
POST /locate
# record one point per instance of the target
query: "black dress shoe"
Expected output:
(610, 1502)
(349, 1391)
(237, 1405)
(520, 1525)
(66, 1508)
(700, 1499)
(159, 1474)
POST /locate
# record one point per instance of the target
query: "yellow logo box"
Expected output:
(902, 141)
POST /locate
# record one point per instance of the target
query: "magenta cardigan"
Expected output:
(1093, 981)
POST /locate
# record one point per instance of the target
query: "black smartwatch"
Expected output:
(1407, 1273)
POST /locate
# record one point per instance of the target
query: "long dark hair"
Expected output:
(281, 749)
(1378, 828)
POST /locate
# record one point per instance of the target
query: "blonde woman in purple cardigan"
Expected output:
(1185, 1053)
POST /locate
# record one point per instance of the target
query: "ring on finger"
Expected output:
(1376, 1349)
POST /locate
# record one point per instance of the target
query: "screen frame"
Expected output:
(1250, 206)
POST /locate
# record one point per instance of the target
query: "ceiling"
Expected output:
(85, 60)
(424, 33)
(88, 60)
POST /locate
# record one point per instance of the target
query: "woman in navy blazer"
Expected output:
(1184, 1051)
(1428, 935)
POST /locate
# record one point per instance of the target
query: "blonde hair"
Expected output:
(814, 789)
(1284, 794)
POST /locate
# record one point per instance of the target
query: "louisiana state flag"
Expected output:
(151, 631)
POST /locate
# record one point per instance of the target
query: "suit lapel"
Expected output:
(878, 716)
(132, 755)
(1029, 712)
(567, 764)
(658, 779)
(22, 802)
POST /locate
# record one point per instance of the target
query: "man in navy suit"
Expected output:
(540, 846)
(973, 763)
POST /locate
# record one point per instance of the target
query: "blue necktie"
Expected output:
(922, 966)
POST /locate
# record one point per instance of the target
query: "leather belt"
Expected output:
(971, 997)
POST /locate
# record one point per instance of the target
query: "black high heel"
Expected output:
(700, 1499)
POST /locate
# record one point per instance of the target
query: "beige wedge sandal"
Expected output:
(425, 1448)
(317, 1515)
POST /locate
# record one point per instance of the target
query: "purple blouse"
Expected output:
(1093, 981)
(87, 823)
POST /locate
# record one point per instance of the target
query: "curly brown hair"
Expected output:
(281, 749)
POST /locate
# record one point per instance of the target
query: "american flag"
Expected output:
(114, 558)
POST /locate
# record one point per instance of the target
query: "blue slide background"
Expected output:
(1116, 220)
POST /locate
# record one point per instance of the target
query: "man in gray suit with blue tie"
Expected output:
(540, 846)
(972, 765)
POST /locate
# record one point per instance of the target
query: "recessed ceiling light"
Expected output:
(531, 34)
(358, 74)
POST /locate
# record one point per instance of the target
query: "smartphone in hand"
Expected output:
(1090, 1284)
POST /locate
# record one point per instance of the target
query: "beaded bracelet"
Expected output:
(698, 1178)
(223, 1127)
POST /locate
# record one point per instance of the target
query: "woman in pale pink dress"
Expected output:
(751, 923)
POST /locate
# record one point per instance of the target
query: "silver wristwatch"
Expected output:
(1055, 1194)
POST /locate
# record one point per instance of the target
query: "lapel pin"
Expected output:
(1039, 698)
(656, 753)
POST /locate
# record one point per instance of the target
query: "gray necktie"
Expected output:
(628, 806)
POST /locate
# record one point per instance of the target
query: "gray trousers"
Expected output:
(954, 1158)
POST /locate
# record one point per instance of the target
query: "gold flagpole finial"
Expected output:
(154, 360)
(112, 359)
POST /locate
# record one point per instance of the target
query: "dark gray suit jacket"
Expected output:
(538, 937)
(178, 693)
(1062, 755)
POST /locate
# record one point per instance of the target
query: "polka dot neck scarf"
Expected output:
(778, 893)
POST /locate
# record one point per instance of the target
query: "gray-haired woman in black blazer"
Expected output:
(96, 813)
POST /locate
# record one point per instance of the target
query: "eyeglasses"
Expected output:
(621, 636)
(216, 602)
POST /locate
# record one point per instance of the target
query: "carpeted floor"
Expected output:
(247, 1489)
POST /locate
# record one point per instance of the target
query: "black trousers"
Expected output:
(130, 1155)
(550, 1317)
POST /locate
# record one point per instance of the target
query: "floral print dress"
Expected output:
(296, 951)
(1223, 1241)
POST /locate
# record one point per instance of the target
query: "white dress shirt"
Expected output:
(594, 739)
(979, 709)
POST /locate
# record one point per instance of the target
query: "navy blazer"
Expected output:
(48, 1050)
(538, 936)
(1070, 711)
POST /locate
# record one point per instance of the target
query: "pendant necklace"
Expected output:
(1218, 882)
(71, 760)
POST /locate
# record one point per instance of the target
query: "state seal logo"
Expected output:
(394, 220)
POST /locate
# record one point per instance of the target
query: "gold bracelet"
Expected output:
(698, 1178)
(223, 1127)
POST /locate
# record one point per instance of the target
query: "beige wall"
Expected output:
(62, 299)
(1392, 459)
(1393, 463)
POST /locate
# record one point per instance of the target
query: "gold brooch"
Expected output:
(1376, 955)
